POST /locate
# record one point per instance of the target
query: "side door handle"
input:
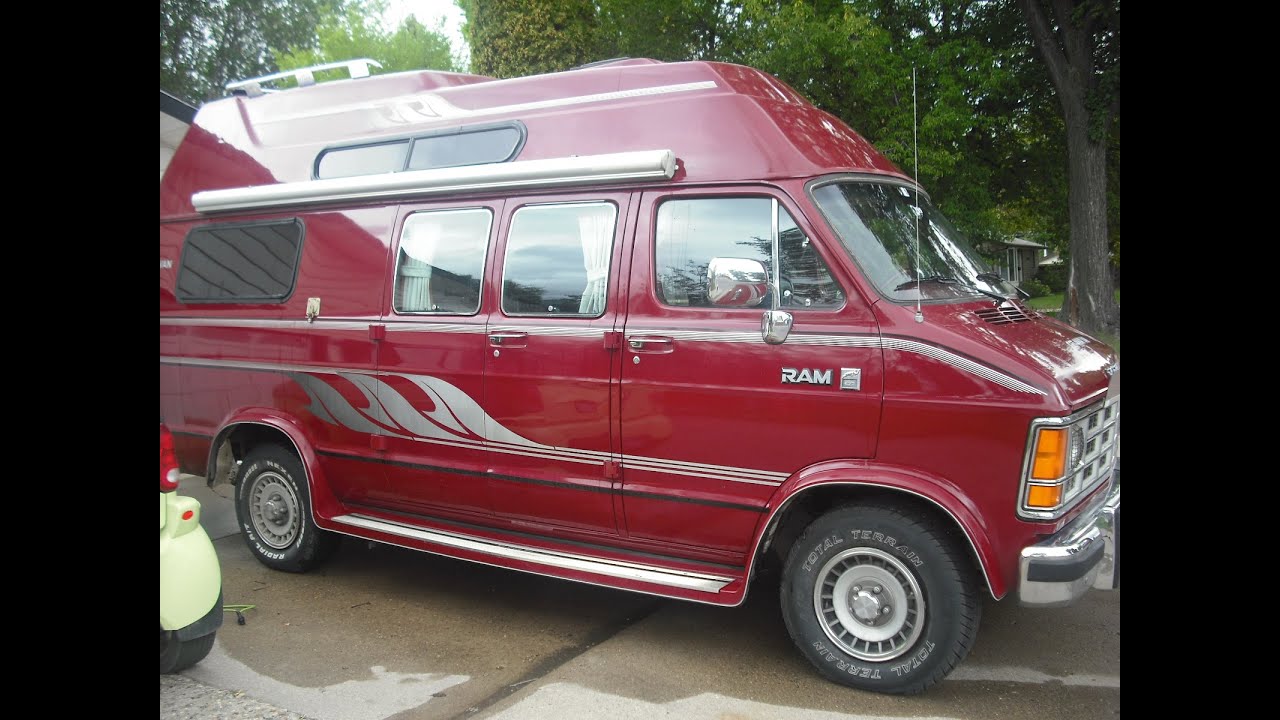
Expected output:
(650, 344)
(508, 339)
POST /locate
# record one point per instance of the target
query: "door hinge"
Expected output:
(377, 333)
(612, 339)
(612, 469)
(378, 442)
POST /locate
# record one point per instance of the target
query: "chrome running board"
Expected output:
(553, 558)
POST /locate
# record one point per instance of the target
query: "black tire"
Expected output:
(177, 655)
(910, 601)
(273, 507)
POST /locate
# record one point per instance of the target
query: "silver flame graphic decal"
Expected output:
(455, 419)
(455, 416)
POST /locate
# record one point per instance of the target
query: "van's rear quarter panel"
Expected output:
(219, 360)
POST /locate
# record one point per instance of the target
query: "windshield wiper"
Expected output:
(948, 280)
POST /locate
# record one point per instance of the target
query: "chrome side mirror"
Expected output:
(736, 282)
(775, 326)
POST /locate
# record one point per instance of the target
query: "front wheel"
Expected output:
(880, 600)
(273, 508)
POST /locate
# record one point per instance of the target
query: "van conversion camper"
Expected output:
(642, 325)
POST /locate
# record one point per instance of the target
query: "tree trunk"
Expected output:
(1089, 301)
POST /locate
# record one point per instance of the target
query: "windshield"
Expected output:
(877, 224)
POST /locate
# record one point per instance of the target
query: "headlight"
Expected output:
(1077, 449)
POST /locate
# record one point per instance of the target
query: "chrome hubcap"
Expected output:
(869, 604)
(274, 510)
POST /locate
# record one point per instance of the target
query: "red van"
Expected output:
(643, 325)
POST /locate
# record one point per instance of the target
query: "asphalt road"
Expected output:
(386, 632)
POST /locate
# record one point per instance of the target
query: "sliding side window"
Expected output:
(441, 261)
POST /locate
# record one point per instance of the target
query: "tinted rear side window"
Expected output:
(363, 160)
(443, 149)
(470, 148)
(247, 262)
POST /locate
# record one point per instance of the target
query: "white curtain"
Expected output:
(595, 228)
(419, 248)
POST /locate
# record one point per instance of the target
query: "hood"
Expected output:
(1080, 366)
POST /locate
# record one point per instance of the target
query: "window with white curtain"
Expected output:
(441, 261)
(557, 259)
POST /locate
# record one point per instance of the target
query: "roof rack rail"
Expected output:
(304, 76)
(597, 63)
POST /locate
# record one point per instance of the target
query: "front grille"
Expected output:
(1007, 312)
(1101, 430)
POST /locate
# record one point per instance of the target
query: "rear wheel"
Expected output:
(177, 655)
(273, 506)
(880, 600)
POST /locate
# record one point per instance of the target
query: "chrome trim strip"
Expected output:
(630, 462)
(746, 475)
(701, 335)
(330, 324)
(554, 558)
(550, 331)
(962, 363)
(636, 166)
(264, 367)
(859, 341)
(420, 326)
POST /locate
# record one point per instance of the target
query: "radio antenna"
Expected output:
(915, 141)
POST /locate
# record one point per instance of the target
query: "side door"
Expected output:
(551, 358)
(713, 419)
(431, 373)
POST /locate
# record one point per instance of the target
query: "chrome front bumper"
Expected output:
(1085, 554)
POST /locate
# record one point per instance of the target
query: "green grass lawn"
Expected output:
(1053, 303)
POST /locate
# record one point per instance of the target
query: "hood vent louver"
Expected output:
(1007, 312)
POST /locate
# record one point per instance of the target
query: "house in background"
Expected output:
(175, 117)
(1019, 259)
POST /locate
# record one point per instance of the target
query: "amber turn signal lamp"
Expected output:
(1044, 496)
(1051, 454)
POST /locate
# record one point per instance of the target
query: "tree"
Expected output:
(204, 44)
(855, 60)
(669, 30)
(1080, 43)
(357, 32)
(513, 38)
